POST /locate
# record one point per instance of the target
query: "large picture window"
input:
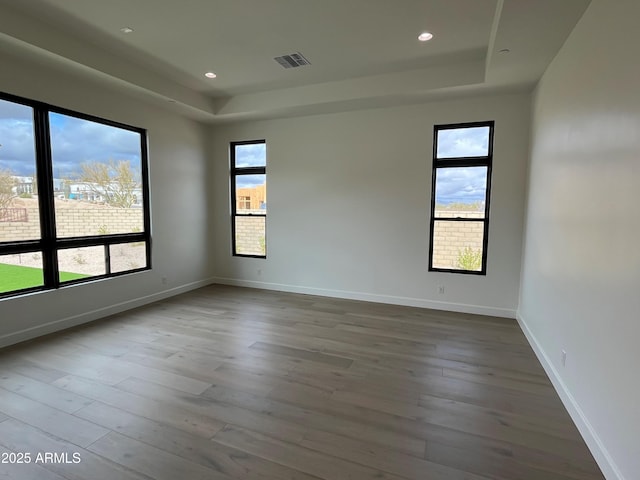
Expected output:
(461, 185)
(249, 198)
(73, 197)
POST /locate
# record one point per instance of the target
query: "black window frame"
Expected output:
(460, 162)
(239, 171)
(49, 244)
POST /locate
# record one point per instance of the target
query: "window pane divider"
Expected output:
(249, 170)
(459, 219)
(462, 162)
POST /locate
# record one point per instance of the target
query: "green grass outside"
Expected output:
(16, 277)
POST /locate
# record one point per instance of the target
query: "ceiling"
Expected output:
(363, 53)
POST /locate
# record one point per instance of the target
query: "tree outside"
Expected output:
(7, 191)
(116, 182)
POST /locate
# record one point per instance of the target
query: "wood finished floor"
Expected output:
(232, 383)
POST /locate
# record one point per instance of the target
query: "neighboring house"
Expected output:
(92, 193)
(27, 185)
(253, 198)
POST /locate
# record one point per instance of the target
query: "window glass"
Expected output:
(463, 142)
(458, 245)
(19, 209)
(251, 155)
(82, 262)
(97, 178)
(251, 193)
(127, 256)
(20, 271)
(250, 235)
(461, 192)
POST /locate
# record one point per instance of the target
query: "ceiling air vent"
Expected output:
(292, 61)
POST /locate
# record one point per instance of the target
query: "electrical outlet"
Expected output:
(164, 280)
(259, 272)
(564, 358)
(441, 289)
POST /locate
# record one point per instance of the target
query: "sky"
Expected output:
(17, 151)
(463, 142)
(462, 184)
(250, 155)
(73, 142)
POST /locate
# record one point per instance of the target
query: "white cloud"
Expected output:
(461, 184)
(250, 181)
(251, 155)
(73, 141)
(17, 150)
(463, 142)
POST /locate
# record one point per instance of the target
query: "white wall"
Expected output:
(180, 203)
(348, 205)
(581, 265)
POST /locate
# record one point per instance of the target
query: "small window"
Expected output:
(249, 198)
(461, 185)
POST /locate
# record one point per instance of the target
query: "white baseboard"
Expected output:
(62, 324)
(590, 436)
(370, 297)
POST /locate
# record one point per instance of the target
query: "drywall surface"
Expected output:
(581, 264)
(348, 200)
(180, 203)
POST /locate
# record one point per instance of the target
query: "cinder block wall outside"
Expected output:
(72, 222)
(451, 238)
(251, 233)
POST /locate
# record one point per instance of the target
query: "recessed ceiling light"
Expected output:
(126, 30)
(425, 36)
(210, 75)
